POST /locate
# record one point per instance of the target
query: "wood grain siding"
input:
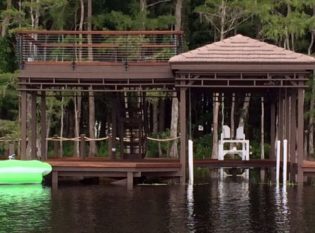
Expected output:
(111, 71)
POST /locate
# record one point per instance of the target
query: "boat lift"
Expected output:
(240, 145)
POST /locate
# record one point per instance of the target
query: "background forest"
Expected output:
(286, 23)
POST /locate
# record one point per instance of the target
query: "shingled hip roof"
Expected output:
(241, 49)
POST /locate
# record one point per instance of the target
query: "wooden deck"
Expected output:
(114, 169)
(130, 169)
(100, 167)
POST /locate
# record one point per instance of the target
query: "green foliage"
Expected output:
(255, 150)
(284, 19)
(154, 146)
(202, 147)
(7, 55)
(9, 129)
(8, 96)
(102, 149)
(225, 15)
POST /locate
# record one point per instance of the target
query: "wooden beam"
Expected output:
(292, 144)
(300, 134)
(43, 126)
(272, 130)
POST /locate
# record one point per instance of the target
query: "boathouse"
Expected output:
(122, 62)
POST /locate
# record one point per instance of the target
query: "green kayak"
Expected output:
(23, 171)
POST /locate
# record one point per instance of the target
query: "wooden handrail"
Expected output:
(60, 32)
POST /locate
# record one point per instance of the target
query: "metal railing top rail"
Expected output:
(68, 32)
(98, 46)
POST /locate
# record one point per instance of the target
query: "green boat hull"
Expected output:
(23, 172)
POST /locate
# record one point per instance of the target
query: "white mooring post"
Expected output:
(285, 159)
(190, 162)
(278, 162)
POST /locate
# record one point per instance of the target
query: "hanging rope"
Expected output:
(162, 139)
(76, 139)
(95, 139)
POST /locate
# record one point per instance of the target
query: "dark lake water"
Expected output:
(216, 206)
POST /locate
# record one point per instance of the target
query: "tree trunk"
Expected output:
(92, 151)
(174, 116)
(77, 120)
(174, 126)
(215, 123)
(6, 19)
(81, 28)
(178, 14)
(312, 35)
(162, 115)
(244, 110)
(155, 116)
(49, 111)
(29, 110)
(312, 103)
(143, 11)
(222, 21)
(89, 28)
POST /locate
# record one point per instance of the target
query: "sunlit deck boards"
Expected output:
(114, 169)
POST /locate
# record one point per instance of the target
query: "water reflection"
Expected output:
(24, 208)
(233, 209)
(282, 212)
(231, 205)
(190, 208)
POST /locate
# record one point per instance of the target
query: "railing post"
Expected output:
(82, 146)
(56, 152)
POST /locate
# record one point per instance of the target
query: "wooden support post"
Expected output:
(292, 144)
(129, 180)
(300, 134)
(43, 126)
(183, 136)
(54, 180)
(33, 126)
(272, 131)
(114, 130)
(288, 120)
(82, 146)
(280, 117)
(23, 124)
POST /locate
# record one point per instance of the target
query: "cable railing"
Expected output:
(9, 146)
(97, 46)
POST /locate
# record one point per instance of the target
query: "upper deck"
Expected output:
(96, 55)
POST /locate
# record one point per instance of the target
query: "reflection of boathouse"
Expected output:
(126, 65)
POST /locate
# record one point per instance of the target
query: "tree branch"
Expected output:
(156, 3)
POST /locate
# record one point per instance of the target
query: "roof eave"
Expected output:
(240, 66)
